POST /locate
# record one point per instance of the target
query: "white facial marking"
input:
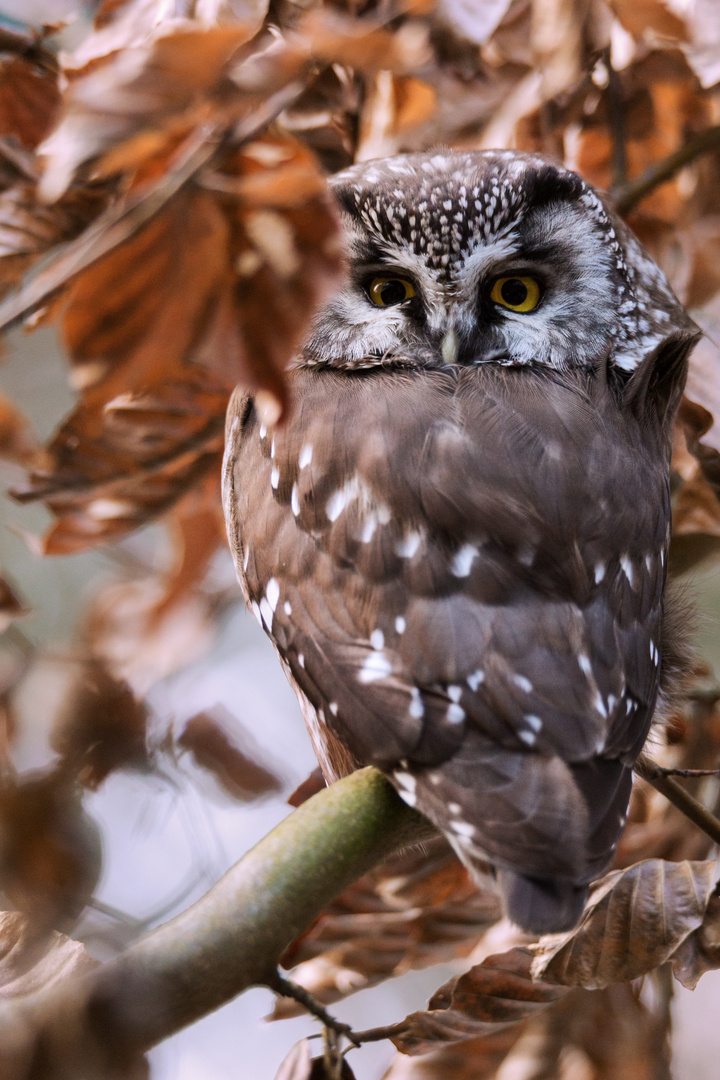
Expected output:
(305, 456)
(377, 639)
(272, 592)
(449, 346)
(409, 544)
(400, 625)
(475, 679)
(417, 709)
(376, 666)
(523, 683)
(455, 714)
(463, 560)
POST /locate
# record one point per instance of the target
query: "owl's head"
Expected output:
(488, 257)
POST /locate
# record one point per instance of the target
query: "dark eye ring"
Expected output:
(390, 291)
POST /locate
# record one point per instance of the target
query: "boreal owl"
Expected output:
(458, 541)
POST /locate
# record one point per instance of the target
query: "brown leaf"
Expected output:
(29, 95)
(219, 744)
(17, 442)
(101, 725)
(635, 920)
(49, 849)
(30, 961)
(637, 16)
(297, 1065)
(472, 1059)
(10, 606)
(488, 998)
(700, 951)
(157, 86)
(417, 909)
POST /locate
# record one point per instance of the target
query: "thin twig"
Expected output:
(678, 796)
(629, 195)
(289, 989)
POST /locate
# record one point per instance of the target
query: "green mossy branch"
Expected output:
(96, 1027)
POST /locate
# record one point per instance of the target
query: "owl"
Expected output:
(458, 540)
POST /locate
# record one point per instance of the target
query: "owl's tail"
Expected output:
(542, 907)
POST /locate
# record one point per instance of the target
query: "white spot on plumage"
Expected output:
(416, 709)
(408, 797)
(534, 722)
(305, 455)
(287, 608)
(454, 807)
(295, 501)
(267, 613)
(648, 563)
(599, 572)
(463, 560)
(301, 660)
(584, 664)
(272, 593)
(523, 683)
(377, 639)
(376, 666)
(628, 569)
(455, 714)
(475, 679)
(255, 608)
(600, 706)
(246, 558)
(274, 476)
(462, 828)
(368, 529)
(333, 707)
(409, 544)
(528, 737)
(400, 624)
(454, 692)
(272, 448)
(262, 432)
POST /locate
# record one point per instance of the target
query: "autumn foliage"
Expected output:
(163, 206)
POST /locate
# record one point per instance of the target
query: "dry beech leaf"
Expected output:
(634, 921)
(49, 849)
(489, 997)
(137, 91)
(17, 442)
(29, 95)
(10, 605)
(101, 726)
(30, 962)
(298, 1063)
(415, 910)
(637, 16)
(218, 743)
(473, 1059)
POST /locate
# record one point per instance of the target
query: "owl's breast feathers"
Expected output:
(464, 575)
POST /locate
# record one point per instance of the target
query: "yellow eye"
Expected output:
(389, 291)
(516, 293)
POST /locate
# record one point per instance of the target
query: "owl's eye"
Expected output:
(390, 291)
(516, 293)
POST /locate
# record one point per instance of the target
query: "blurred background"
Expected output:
(137, 657)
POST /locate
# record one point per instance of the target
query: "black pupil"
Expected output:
(514, 292)
(392, 292)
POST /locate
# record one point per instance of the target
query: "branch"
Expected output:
(628, 195)
(678, 796)
(94, 1027)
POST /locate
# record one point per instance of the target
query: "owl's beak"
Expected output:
(449, 346)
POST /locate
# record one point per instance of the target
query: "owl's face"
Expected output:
(485, 257)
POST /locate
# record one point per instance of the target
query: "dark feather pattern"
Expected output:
(462, 566)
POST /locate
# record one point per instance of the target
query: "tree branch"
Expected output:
(628, 195)
(94, 1027)
(678, 796)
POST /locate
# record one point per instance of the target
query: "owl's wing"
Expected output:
(464, 575)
